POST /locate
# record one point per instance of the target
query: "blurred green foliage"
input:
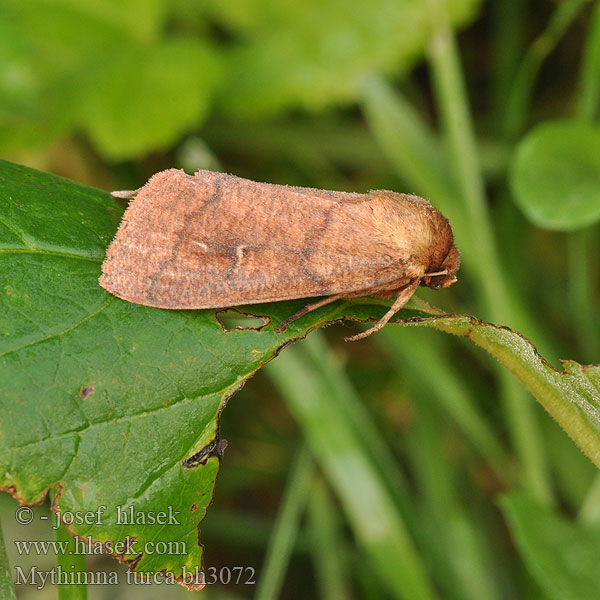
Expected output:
(414, 438)
(136, 75)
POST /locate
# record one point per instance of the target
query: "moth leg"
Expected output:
(308, 308)
(403, 297)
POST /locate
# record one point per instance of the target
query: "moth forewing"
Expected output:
(213, 240)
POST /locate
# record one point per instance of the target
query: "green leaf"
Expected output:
(318, 52)
(571, 396)
(560, 554)
(72, 26)
(555, 175)
(109, 68)
(116, 404)
(17, 85)
(150, 95)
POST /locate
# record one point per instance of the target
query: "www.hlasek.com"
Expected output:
(86, 546)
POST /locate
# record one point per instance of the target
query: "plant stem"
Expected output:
(328, 545)
(583, 244)
(70, 563)
(362, 491)
(520, 95)
(453, 106)
(589, 85)
(460, 549)
(358, 416)
(508, 21)
(7, 589)
(451, 98)
(286, 528)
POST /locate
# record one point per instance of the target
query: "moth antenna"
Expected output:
(308, 308)
(126, 194)
(403, 297)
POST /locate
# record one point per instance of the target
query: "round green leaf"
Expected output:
(142, 98)
(555, 175)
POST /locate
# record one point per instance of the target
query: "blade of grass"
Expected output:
(450, 95)
(420, 152)
(425, 356)
(583, 245)
(426, 373)
(452, 104)
(456, 538)
(332, 372)
(519, 98)
(7, 589)
(508, 22)
(590, 509)
(328, 545)
(583, 260)
(286, 528)
(589, 84)
(70, 563)
(368, 505)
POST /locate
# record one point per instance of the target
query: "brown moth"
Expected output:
(212, 240)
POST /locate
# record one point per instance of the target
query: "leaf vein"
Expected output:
(64, 331)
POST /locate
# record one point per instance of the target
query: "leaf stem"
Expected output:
(583, 244)
(70, 563)
(522, 88)
(7, 589)
(570, 397)
(286, 527)
(583, 247)
(589, 84)
(453, 105)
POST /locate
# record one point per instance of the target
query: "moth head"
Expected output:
(445, 275)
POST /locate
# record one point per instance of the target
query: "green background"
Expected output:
(408, 465)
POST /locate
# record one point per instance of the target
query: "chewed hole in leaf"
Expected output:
(86, 391)
(214, 448)
(231, 319)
